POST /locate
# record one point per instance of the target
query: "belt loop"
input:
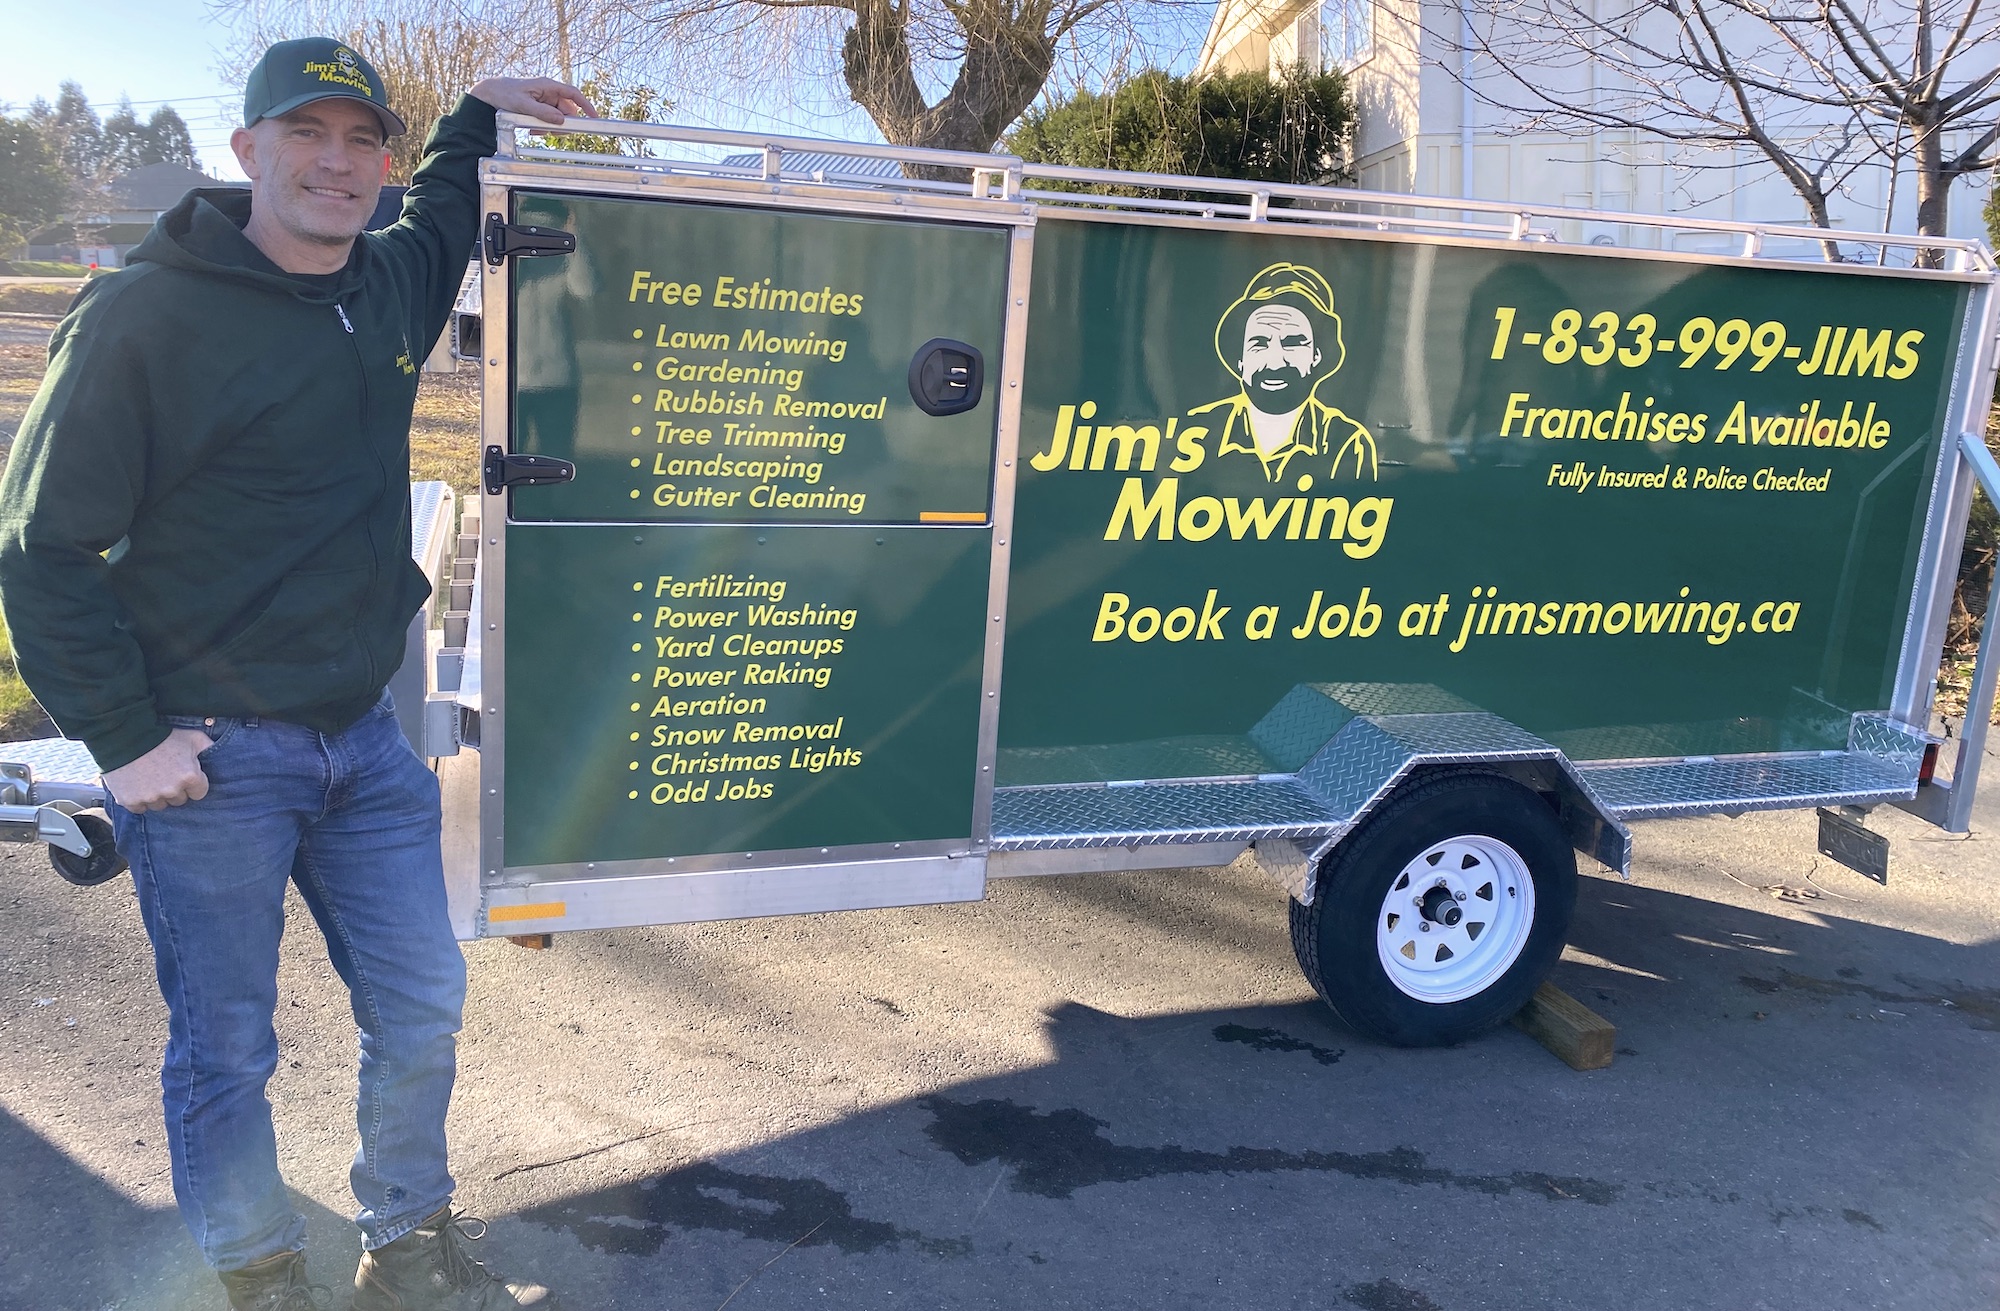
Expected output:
(249, 721)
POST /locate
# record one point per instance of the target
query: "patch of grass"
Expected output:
(20, 717)
(26, 298)
(1971, 595)
(47, 268)
(21, 369)
(444, 431)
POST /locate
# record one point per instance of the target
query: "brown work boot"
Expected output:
(427, 1269)
(277, 1283)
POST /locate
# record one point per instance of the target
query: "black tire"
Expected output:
(1335, 937)
(102, 864)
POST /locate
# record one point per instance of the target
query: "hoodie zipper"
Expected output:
(374, 552)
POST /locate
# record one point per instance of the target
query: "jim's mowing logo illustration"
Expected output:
(1280, 343)
(343, 70)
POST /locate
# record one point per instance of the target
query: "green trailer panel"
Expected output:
(1640, 508)
(680, 691)
(716, 364)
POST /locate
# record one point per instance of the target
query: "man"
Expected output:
(1271, 341)
(205, 564)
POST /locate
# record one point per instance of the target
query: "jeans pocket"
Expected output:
(219, 728)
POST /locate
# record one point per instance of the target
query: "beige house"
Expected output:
(121, 214)
(1421, 129)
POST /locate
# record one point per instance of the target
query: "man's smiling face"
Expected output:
(317, 171)
(1278, 358)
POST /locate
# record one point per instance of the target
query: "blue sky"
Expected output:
(155, 51)
(168, 51)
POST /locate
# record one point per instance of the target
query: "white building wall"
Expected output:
(1417, 124)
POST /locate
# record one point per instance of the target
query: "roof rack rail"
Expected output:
(1006, 177)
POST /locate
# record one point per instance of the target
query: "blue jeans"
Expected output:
(352, 818)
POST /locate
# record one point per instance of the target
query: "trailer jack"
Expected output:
(79, 841)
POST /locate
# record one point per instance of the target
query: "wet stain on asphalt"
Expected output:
(1979, 1006)
(1388, 1295)
(1270, 1040)
(636, 1219)
(1055, 1154)
(1862, 1219)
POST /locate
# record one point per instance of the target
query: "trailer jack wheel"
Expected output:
(1439, 917)
(101, 865)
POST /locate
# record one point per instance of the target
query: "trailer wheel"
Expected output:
(1439, 917)
(101, 865)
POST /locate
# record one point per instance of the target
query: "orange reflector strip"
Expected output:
(952, 516)
(534, 910)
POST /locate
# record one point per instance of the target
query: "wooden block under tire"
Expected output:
(1583, 1038)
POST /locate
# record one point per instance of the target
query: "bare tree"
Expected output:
(1822, 89)
(429, 51)
(942, 74)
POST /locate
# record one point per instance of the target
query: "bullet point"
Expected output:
(635, 493)
(635, 647)
(638, 332)
(635, 705)
(636, 398)
(638, 365)
(635, 464)
(635, 737)
(631, 796)
(637, 617)
(633, 765)
(635, 678)
(635, 432)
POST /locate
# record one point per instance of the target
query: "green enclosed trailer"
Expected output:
(848, 539)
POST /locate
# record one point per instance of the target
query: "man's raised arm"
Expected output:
(434, 237)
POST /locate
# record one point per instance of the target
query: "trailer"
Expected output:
(849, 537)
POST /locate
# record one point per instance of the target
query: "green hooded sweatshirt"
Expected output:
(207, 509)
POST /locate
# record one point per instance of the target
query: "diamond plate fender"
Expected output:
(1392, 731)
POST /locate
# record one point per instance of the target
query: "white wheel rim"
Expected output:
(1437, 962)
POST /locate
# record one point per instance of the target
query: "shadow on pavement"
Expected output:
(71, 1242)
(1755, 1145)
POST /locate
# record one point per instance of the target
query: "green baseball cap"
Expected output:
(294, 73)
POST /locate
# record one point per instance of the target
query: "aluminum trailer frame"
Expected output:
(1291, 821)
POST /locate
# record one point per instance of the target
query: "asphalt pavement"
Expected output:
(1108, 1092)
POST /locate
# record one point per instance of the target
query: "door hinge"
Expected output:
(504, 471)
(504, 239)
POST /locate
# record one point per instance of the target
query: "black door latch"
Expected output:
(946, 377)
(504, 471)
(504, 239)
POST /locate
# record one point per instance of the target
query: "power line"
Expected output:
(171, 100)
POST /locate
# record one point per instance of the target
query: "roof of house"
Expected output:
(159, 187)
